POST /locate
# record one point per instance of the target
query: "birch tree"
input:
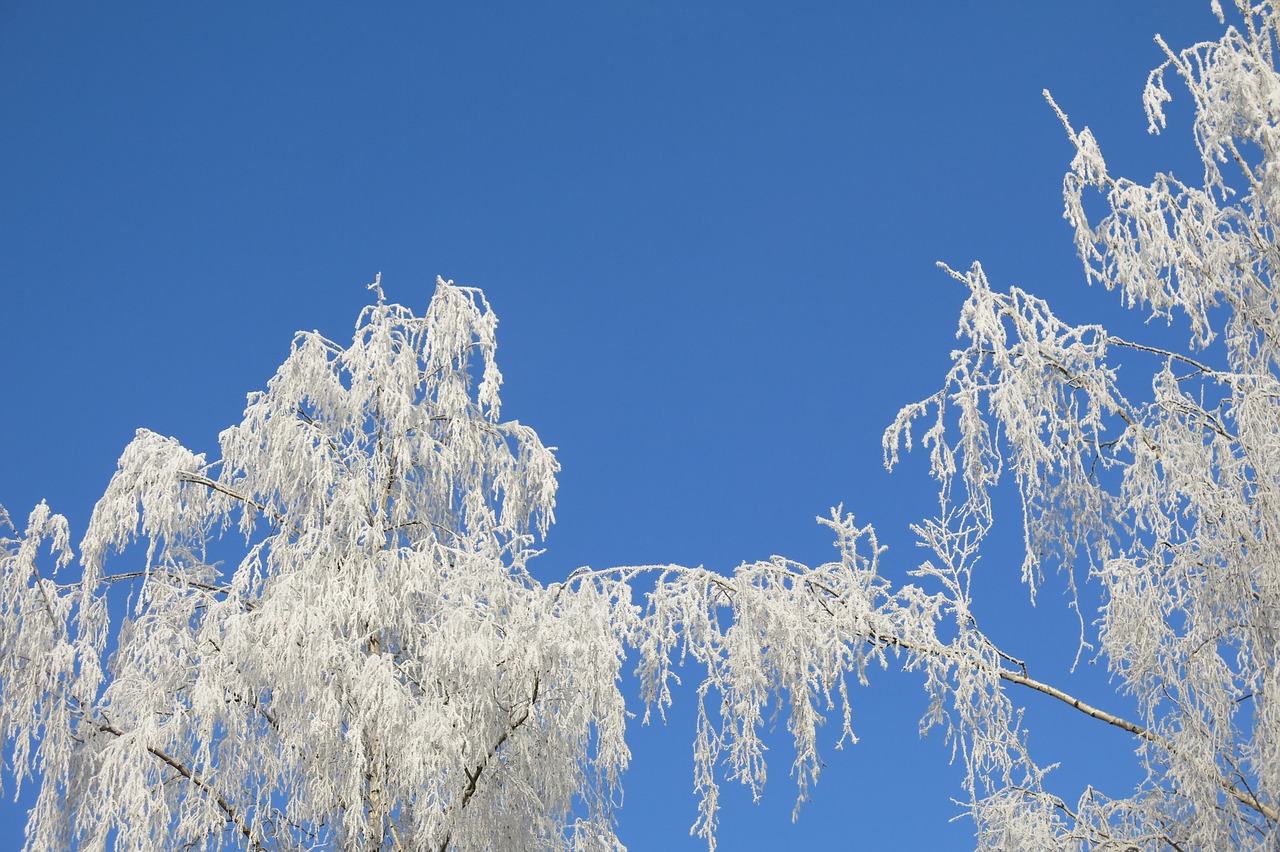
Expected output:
(377, 668)
(332, 639)
(1158, 485)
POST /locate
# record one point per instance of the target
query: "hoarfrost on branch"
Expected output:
(379, 669)
(376, 668)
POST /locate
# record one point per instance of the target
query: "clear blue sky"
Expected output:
(708, 228)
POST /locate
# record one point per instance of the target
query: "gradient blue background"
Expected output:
(709, 231)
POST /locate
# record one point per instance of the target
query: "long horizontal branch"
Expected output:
(1083, 707)
(1244, 797)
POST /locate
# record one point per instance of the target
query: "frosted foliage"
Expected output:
(1166, 499)
(329, 638)
(376, 670)
(373, 667)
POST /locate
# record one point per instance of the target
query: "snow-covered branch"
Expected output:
(333, 639)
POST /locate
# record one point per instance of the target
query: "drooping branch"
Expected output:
(197, 781)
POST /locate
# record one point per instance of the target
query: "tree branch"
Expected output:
(473, 777)
(213, 484)
(196, 780)
(1244, 797)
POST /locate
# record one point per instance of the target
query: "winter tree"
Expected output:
(330, 637)
(377, 669)
(1159, 489)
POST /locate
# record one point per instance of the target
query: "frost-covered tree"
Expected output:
(364, 674)
(1162, 487)
(375, 667)
(331, 638)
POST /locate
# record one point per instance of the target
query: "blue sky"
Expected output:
(709, 230)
